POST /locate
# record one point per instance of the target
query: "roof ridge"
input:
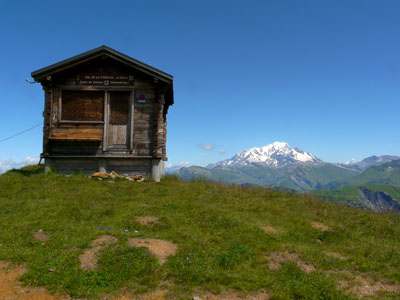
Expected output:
(61, 65)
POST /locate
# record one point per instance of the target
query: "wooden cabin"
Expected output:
(105, 111)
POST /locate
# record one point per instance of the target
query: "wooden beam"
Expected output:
(94, 139)
(105, 128)
(95, 87)
(59, 105)
(132, 120)
(81, 122)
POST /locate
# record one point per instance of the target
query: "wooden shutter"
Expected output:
(82, 105)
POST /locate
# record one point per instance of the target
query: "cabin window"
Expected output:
(86, 106)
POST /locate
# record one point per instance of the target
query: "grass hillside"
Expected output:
(229, 240)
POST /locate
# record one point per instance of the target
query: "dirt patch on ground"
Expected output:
(11, 288)
(147, 220)
(155, 295)
(320, 226)
(233, 296)
(269, 229)
(160, 248)
(336, 255)
(276, 258)
(122, 296)
(40, 235)
(89, 258)
(361, 285)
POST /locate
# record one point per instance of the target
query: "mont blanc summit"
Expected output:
(277, 154)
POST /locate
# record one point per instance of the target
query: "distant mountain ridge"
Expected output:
(386, 174)
(278, 164)
(369, 162)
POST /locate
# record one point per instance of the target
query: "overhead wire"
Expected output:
(19, 133)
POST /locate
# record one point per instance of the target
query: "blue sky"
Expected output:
(323, 76)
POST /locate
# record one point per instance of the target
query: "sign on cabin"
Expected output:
(105, 111)
(106, 79)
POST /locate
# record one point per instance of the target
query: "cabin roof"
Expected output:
(41, 74)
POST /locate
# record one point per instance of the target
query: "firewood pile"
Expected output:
(113, 175)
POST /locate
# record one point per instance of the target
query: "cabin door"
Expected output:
(118, 120)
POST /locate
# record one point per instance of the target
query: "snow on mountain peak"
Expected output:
(277, 154)
(351, 161)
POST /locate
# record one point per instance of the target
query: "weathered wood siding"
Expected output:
(147, 134)
(46, 118)
(143, 128)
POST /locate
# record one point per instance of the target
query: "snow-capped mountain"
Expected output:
(277, 154)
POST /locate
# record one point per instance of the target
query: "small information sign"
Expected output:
(105, 79)
(142, 98)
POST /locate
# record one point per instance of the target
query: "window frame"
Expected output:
(86, 88)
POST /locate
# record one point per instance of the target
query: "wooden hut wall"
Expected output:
(149, 130)
(143, 116)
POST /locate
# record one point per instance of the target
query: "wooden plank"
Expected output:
(102, 156)
(145, 135)
(46, 117)
(131, 120)
(142, 123)
(119, 134)
(54, 107)
(80, 125)
(94, 88)
(125, 169)
(58, 109)
(139, 116)
(95, 134)
(106, 122)
(143, 129)
(76, 139)
(128, 162)
(74, 150)
(81, 122)
(76, 130)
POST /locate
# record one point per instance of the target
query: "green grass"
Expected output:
(391, 190)
(216, 227)
(342, 195)
(352, 193)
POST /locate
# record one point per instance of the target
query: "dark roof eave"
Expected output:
(40, 74)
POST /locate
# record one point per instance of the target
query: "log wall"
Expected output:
(86, 139)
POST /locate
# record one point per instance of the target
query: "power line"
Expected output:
(19, 133)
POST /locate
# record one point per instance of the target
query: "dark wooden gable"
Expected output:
(103, 60)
